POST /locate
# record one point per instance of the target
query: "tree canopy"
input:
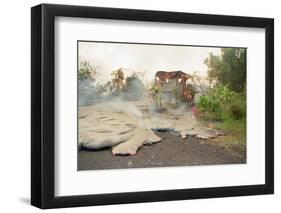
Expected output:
(229, 68)
(118, 78)
(87, 71)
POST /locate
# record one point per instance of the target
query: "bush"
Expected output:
(210, 107)
(236, 112)
(236, 108)
(221, 103)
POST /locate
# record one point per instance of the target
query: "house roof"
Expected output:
(172, 74)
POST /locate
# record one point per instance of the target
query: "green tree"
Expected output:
(117, 80)
(156, 94)
(229, 68)
(87, 71)
(87, 83)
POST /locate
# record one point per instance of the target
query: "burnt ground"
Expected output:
(171, 151)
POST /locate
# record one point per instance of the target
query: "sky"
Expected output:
(144, 57)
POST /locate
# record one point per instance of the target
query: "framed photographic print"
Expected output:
(139, 106)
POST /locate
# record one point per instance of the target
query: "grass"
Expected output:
(229, 116)
(235, 138)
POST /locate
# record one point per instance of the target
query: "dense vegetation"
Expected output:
(225, 102)
(227, 98)
(221, 104)
(228, 69)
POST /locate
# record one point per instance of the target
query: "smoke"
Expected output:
(119, 105)
(87, 92)
(134, 89)
(91, 92)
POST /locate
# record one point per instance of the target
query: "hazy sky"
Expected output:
(147, 58)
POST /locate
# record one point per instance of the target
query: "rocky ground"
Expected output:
(132, 134)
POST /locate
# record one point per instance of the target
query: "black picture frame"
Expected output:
(43, 105)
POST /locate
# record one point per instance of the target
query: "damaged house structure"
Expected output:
(175, 83)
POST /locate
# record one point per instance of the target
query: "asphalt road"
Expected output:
(171, 151)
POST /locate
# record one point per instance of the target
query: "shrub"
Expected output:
(236, 112)
(237, 107)
(221, 103)
(210, 107)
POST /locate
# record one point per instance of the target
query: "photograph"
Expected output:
(144, 105)
(141, 105)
